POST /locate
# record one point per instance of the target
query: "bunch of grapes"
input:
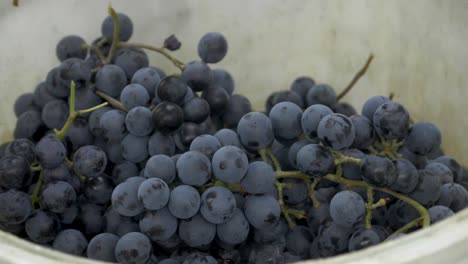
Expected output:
(117, 161)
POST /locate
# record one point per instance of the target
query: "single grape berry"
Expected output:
(315, 160)
(212, 47)
(172, 89)
(172, 43)
(90, 161)
(371, 104)
(197, 75)
(321, 94)
(336, 131)
(378, 171)
(391, 121)
(311, 118)
(423, 138)
(347, 208)
(255, 131)
(168, 117)
(125, 24)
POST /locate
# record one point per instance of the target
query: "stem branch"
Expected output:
(161, 51)
(356, 77)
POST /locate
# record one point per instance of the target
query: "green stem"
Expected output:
(356, 77)
(311, 187)
(112, 101)
(35, 196)
(116, 33)
(381, 202)
(161, 51)
(370, 201)
(98, 52)
(36, 168)
(273, 159)
(415, 223)
(263, 155)
(284, 210)
(89, 110)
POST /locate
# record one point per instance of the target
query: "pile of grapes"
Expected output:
(117, 161)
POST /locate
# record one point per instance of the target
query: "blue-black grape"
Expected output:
(14, 172)
(440, 170)
(315, 160)
(220, 77)
(293, 150)
(197, 75)
(439, 212)
(364, 136)
(79, 134)
(41, 97)
(69, 215)
(184, 201)
(118, 224)
(428, 188)
(371, 104)
(298, 241)
(56, 85)
(153, 194)
(206, 144)
(212, 47)
(350, 170)
(271, 233)
(407, 176)
(301, 86)
(158, 225)
(262, 211)
(453, 165)
(400, 213)
(112, 124)
(134, 148)
(336, 131)
(55, 114)
(286, 120)
(133, 247)
(345, 109)
(102, 247)
(15, 207)
(172, 89)
(193, 168)
(60, 173)
(311, 118)
(196, 110)
(160, 143)
(255, 131)
(283, 96)
(90, 218)
(131, 60)
(24, 103)
(217, 98)
(391, 121)
(196, 231)
(90, 161)
(28, 124)
(76, 70)
(378, 171)
(453, 196)
(295, 192)
(42, 226)
(347, 208)
(139, 121)
(236, 108)
(162, 167)
(71, 47)
(58, 196)
(134, 95)
(363, 238)
(228, 137)
(230, 164)
(149, 78)
(111, 79)
(258, 178)
(70, 241)
(125, 25)
(234, 231)
(217, 205)
(125, 197)
(423, 138)
(98, 189)
(321, 94)
(123, 171)
(168, 117)
(94, 120)
(317, 216)
(186, 134)
(333, 238)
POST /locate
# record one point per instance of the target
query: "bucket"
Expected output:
(420, 56)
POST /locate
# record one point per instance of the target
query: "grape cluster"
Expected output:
(115, 160)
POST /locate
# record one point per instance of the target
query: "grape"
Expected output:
(336, 131)
(230, 164)
(58, 196)
(217, 205)
(400, 214)
(317, 217)
(24, 103)
(187, 133)
(126, 27)
(371, 104)
(125, 197)
(220, 77)
(153, 194)
(42, 226)
(302, 85)
(159, 143)
(227, 137)
(55, 114)
(69, 215)
(265, 254)
(262, 211)
(70, 241)
(378, 171)
(453, 165)
(171, 243)
(184, 201)
(347, 208)
(206, 144)
(345, 109)
(439, 212)
(453, 196)
(217, 98)
(391, 121)
(283, 96)
(134, 95)
(90, 218)
(407, 176)
(419, 161)
(198, 258)
(286, 120)
(423, 138)
(259, 176)
(193, 168)
(298, 241)
(134, 148)
(139, 121)
(28, 124)
(255, 131)
(427, 190)
(363, 238)
(102, 247)
(117, 224)
(94, 120)
(40, 97)
(315, 160)
(56, 85)
(364, 131)
(133, 247)
(440, 170)
(112, 124)
(172, 43)
(71, 47)
(321, 94)
(89, 161)
(311, 118)
(113, 150)
(14, 171)
(196, 231)
(168, 117)
(172, 89)
(196, 110)
(98, 189)
(111, 79)
(131, 60)
(271, 233)
(149, 78)
(236, 108)
(350, 170)
(197, 75)
(333, 238)
(123, 171)
(212, 47)
(293, 150)
(169, 261)
(295, 192)
(79, 134)
(234, 231)
(60, 173)
(76, 70)
(15, 207)
(158, 225)
(162, 167)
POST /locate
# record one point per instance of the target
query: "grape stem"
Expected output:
(369, 207)
(70, 164)
(74, 114)
(415, 223)
(273, 159)
(356, 77)
(36, 168)
(311, 188)
(112, 101)
(283, 208)
(116, 33)
(35, 196)
(161, 51)
(98, 52)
